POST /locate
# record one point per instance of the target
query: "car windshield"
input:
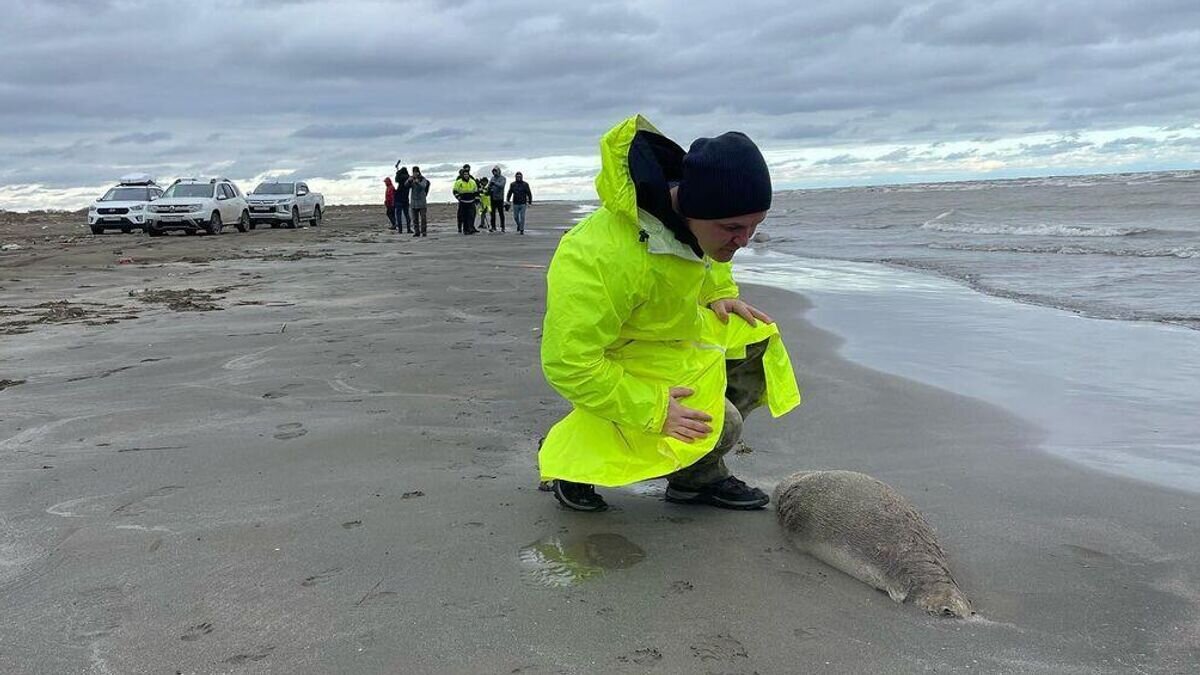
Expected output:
(275, 189)
(189, 190)
(127, 194)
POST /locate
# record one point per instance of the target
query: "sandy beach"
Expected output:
(314, 451)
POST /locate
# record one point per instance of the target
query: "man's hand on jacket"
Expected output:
(726, 305)
(682, 422)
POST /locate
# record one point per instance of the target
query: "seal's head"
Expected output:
(945, 600)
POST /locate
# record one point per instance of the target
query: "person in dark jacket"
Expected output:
(403, 217)
(419, 187)
(520, 196)
(496, 192)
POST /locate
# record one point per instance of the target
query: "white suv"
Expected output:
(123, 207)
(195, 204)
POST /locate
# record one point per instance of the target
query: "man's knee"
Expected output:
(746, 380)
(731, 430)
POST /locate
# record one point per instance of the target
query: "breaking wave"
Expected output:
(1165, 252)
(948, 222)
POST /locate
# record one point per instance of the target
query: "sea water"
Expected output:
(1072, 302)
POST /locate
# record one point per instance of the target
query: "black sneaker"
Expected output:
(727, 493)
(578, 496)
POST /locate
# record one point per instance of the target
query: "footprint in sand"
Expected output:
(196, 632)
(321, 577)
(144, 503)
(286, 432)
(643, 657)
(679, 587)
(718, 647)
(379, 598)
(97, 613)
(808, 633)
(256, 654)
(282, 391)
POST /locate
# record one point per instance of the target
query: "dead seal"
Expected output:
(866, 529)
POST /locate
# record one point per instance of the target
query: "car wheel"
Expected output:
(97, 230)
(214, 224)
(315, 221)
(274, 226)
(154, 231)
(191, 231)
(243, 223)
(295, 221)
(126, 230)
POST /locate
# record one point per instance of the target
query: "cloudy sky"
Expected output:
(837, 93)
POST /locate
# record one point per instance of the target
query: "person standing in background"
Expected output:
(403, 217)
(418, 186)
(496, 190)
(520, 196)
(389, 201)
(466, 191)
(485, 203)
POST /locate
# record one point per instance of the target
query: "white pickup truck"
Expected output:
(285, 203)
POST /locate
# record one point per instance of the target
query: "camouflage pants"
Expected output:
(746, 385)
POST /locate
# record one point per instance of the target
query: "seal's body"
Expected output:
(868, 530)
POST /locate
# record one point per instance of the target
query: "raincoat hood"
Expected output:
(638, 166)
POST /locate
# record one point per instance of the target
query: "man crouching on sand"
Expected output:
(644, 332)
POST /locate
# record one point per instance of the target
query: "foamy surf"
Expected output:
(946, 222)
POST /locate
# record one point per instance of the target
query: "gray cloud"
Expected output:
(442, 134)
(839, 160)
(806, 131)
(354, 130)
(898, 155)
(1127, 144)
(957, 156)
(140, 137)
(1053, 148)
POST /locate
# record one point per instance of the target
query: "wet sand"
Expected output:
(316, 454)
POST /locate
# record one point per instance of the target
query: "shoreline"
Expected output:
(1106, 392)
(356, 490)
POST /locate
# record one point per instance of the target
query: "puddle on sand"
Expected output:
(564, 560)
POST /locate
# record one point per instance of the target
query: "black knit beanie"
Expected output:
(724, 177)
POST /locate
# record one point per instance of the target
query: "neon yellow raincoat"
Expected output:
(627, 318)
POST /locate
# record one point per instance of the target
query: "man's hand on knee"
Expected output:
(683, 423)
(752, 315)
